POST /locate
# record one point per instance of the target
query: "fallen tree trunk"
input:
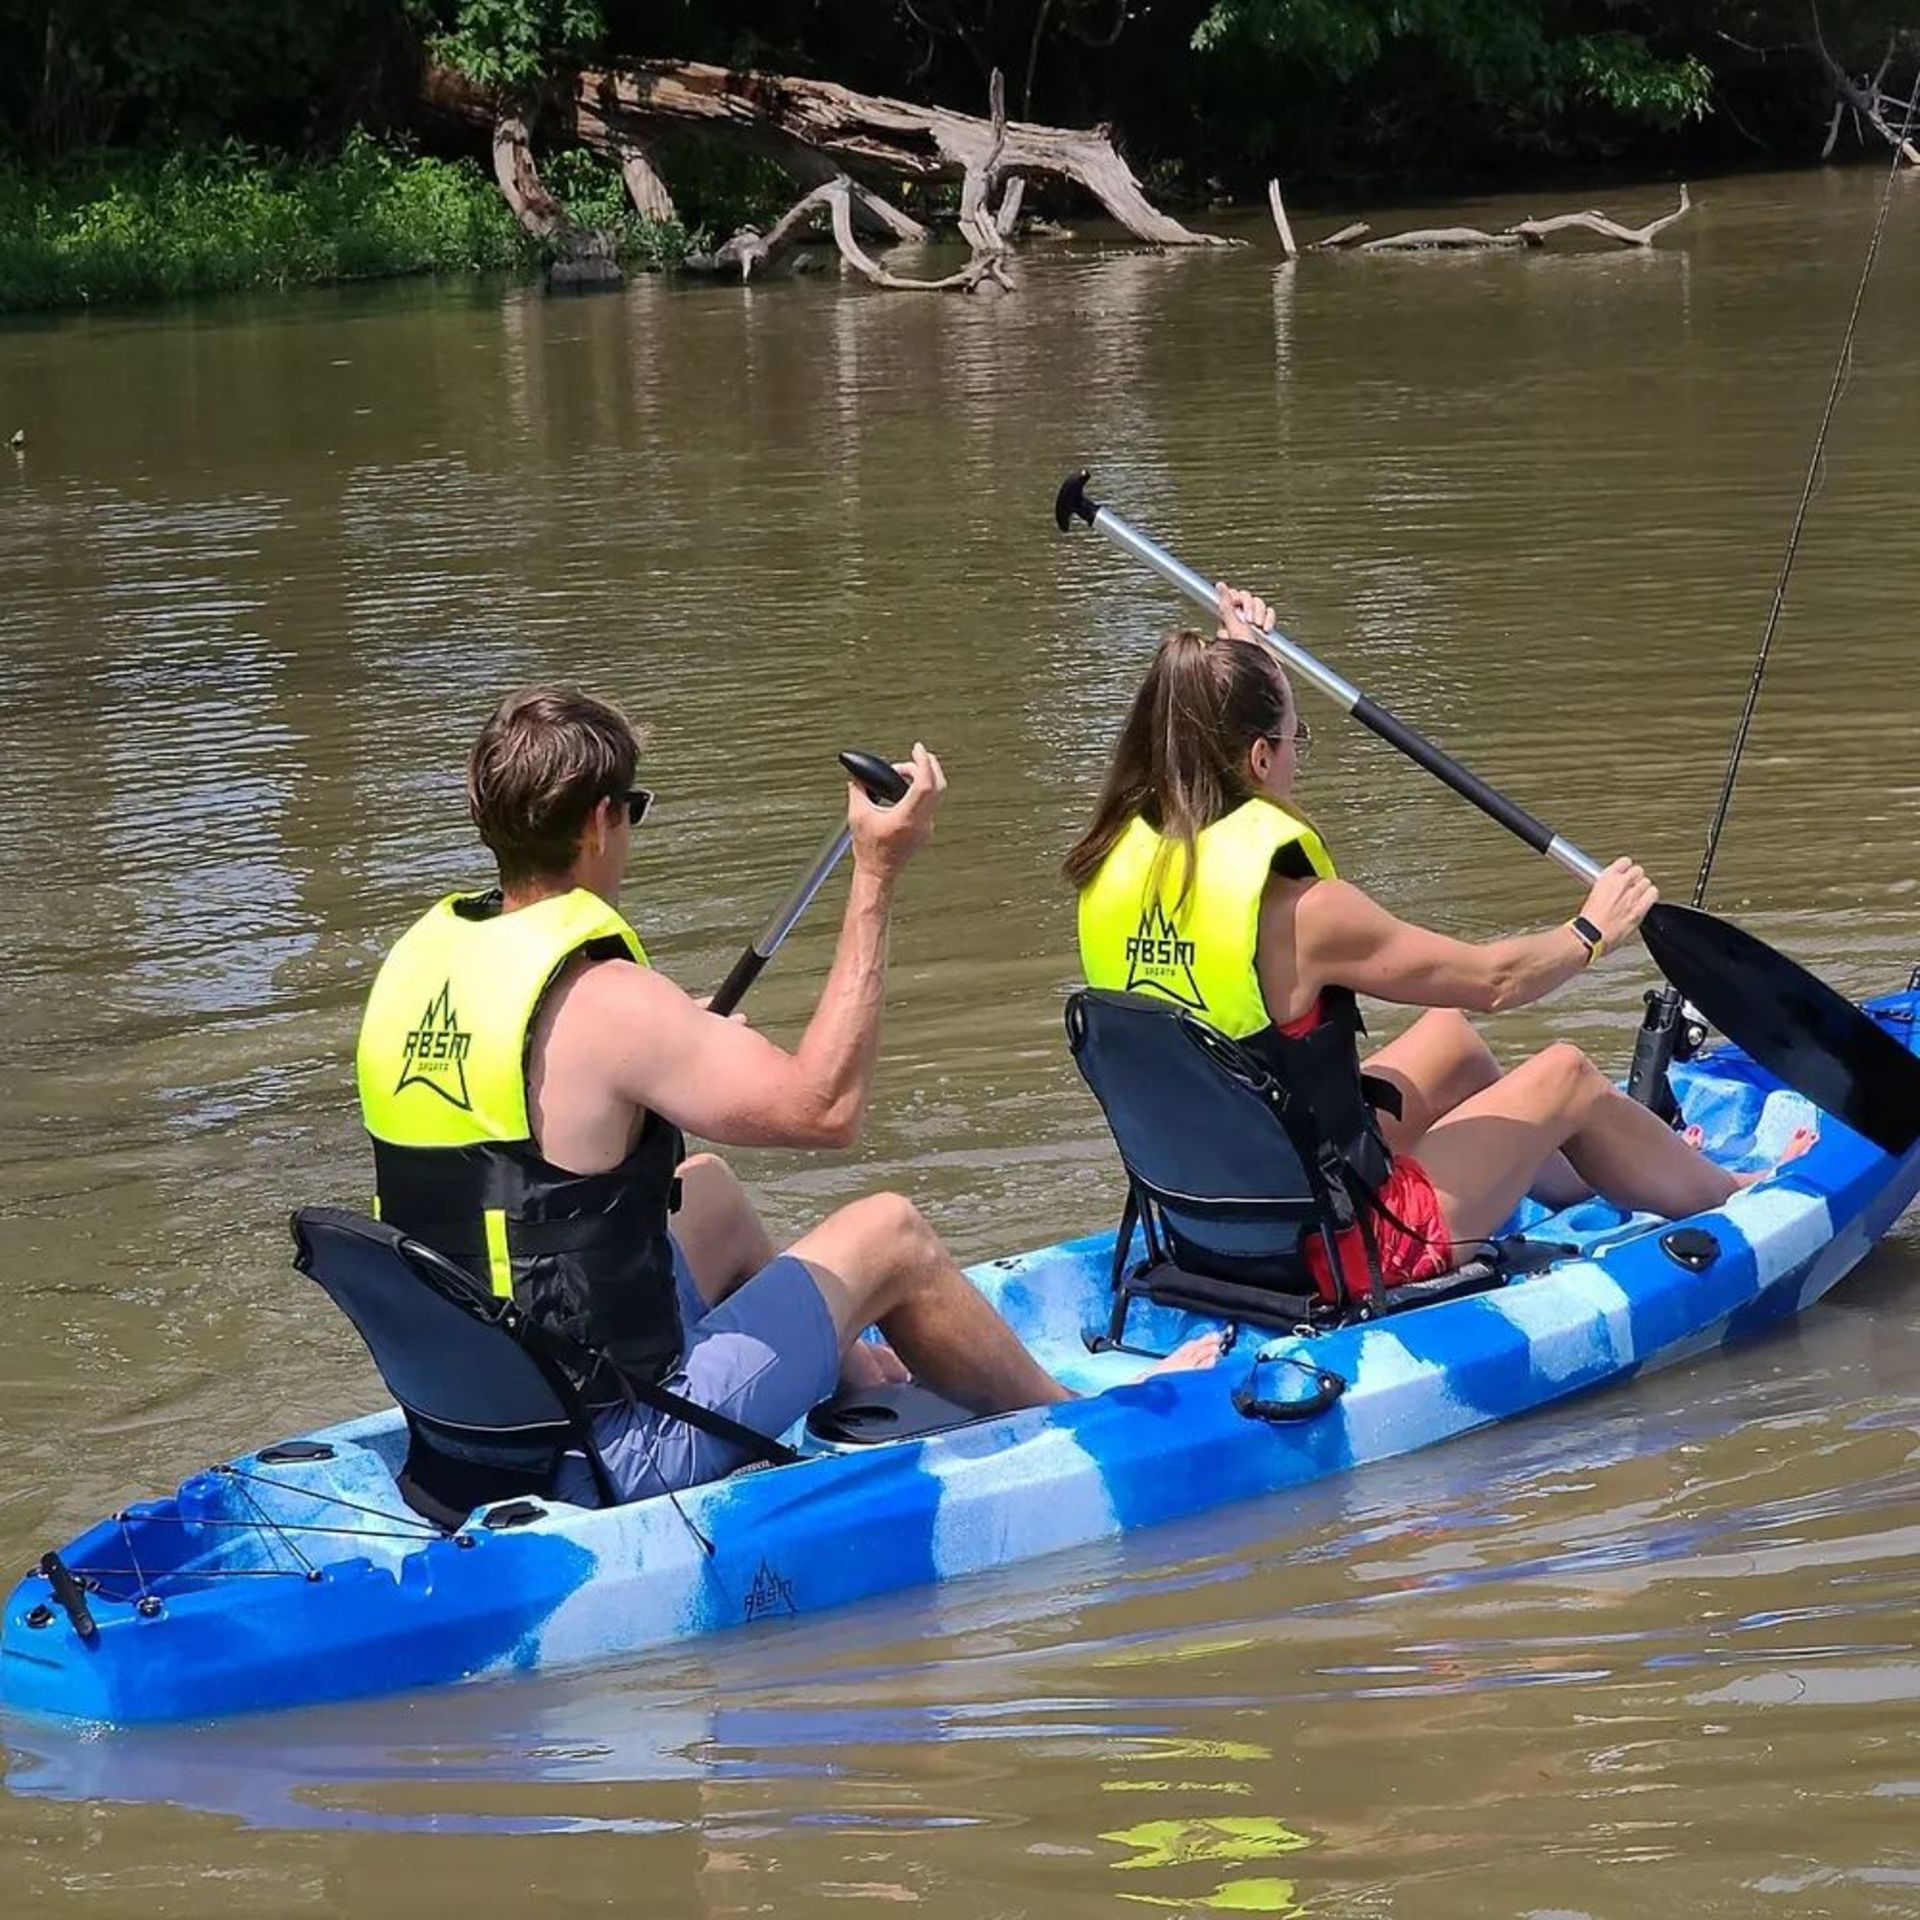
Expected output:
(856, 133)
(519, 179)
(582, 261)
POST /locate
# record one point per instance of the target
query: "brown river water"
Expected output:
(263, 567)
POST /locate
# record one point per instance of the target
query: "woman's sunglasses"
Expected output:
(639, 800)
(1302, 739)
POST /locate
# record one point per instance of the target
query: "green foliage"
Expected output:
(595, 198)
(1621, 72)
(1527, 59)
(83, 73)
(118, 228)
(515, 44)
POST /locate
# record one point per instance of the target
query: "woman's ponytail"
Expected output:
(1180, 762)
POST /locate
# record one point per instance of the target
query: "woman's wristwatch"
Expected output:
(1589, 937)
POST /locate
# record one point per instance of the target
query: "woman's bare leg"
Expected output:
(1483, 1156)
(1439, 1063)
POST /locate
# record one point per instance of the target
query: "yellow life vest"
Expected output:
(1138, 937)
(441, 1067)
(443, 1043)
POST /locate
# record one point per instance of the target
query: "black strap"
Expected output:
(574, 1357)
(1376, 1282)
(1382, 1095)
(754, 1444)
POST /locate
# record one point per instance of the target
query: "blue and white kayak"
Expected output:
(297, 1574)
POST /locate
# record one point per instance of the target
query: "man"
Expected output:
(525, 1075)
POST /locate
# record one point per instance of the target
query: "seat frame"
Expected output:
(1173, 1272)
(446, 1476)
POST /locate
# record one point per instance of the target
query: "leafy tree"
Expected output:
(515, 44)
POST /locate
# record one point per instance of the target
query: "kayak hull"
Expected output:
(274, 1582)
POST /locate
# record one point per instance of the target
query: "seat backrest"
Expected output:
(488, 1418)
(1198, 1132)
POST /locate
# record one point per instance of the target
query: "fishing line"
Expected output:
(1841, 370)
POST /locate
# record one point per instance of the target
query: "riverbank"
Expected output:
(116, 228)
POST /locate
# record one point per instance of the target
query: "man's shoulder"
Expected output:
(601, 984)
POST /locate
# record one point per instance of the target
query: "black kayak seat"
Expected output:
(488, 1416)
(894, 1410)
(1215, 1183)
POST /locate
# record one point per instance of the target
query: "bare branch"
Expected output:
(1285, 232)
(1534, 232)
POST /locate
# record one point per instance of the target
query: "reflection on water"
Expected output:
(267, 564)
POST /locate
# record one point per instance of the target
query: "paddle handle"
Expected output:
(1072, 503)
(885, 785)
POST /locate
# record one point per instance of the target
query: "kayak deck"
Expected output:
(297, 1574)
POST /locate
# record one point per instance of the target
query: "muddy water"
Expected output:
(263, 567)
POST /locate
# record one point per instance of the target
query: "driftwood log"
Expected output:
(1526, 233)
(827, 138)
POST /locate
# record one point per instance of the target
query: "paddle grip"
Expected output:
(1443, 766)
(884, 783)
(733, 989)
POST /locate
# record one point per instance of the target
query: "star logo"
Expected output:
(435, 1055)
(1160, 961)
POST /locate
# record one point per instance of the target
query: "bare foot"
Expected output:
(1194, 1357)
(872, 1363)
(1696, 1138)
(1803, 1138)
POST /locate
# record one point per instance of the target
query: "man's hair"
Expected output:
(543, 762)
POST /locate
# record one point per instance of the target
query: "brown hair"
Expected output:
(543, 762)
(1181, 760)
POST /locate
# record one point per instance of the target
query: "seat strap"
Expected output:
(573, 1355)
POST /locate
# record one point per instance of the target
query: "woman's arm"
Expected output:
(1342, 938)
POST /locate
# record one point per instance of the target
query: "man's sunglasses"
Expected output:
(639, 800)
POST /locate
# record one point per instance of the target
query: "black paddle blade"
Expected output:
(1797, 1027)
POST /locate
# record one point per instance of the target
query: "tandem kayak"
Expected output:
(296, 1574)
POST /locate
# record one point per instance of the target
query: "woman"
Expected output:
(1200, 885)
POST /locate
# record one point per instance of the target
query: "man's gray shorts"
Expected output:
(764, 1356)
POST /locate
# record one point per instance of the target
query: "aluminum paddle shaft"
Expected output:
(1794, 1025)
(1072, 503)
(884, 783)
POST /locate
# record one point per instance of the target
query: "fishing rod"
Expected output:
(1794, 1025)
(1670, 1030)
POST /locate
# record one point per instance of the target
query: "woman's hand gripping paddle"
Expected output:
(884, 785)
(1797, 1027)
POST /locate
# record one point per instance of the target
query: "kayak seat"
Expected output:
(895, 1410)
(1216, 1189)
(488, 1416)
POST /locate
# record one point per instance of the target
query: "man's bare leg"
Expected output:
(878, 1261)
(721, 1236)
(725, 1242)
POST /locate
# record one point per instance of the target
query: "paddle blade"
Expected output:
(1798, 1028)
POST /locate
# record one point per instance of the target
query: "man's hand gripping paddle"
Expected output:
(1797, 1027)
(885, 785)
